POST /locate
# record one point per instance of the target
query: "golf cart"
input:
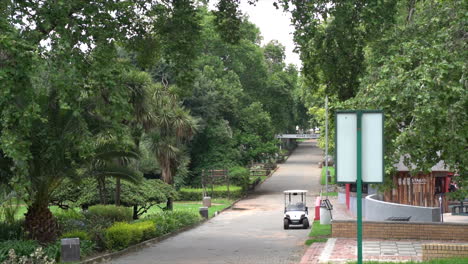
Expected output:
(295, 209)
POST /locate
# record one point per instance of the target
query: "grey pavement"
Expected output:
(250, 232)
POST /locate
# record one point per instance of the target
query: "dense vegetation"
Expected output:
(99, 100)
(407, 58)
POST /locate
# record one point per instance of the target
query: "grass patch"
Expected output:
(434, 261)
(318, 233)
(332, 174)
(319, 230)
(217, 205)
(330, 194)
(313, 240)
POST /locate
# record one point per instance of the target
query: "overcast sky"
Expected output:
(273, 24)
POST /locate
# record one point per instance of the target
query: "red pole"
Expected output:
(348, 186)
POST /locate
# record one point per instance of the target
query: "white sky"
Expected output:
(273, 24)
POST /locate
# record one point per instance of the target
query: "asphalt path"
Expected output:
(250, 232)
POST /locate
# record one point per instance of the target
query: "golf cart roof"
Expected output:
(295, 191)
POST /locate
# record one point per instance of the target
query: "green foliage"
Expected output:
(38, 256)
(419, 80)
(315, 240)
(82, 235)
(21, 247)
(121, 235)
(323, 174)
(169, 221)
(11, 231)
(239, 176)
(109, 213)
(196, 194)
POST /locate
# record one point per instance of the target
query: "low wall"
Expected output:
(402, 230)
(435, 251)
(377, 210)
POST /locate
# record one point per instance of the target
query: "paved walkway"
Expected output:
(252, 231)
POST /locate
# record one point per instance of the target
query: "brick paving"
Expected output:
(312, 255)
(345, 250)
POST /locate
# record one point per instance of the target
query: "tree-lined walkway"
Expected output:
(250, 232)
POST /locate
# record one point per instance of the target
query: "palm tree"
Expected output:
(113, 159)
(173, 127)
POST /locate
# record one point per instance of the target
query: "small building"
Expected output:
(421, 189)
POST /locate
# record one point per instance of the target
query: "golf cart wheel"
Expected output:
(305, 223)
(286, 224)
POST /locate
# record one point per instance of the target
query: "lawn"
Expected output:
(318, 233)
(434, 261)
(332, 174)
(217, 205)
(330, 194)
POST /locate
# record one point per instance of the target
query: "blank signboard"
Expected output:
(346, 147)
(372, 147)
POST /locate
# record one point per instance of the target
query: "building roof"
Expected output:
(440, 166)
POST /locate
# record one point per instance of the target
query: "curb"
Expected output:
(109, 256)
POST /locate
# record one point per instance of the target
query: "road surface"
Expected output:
(250, 232)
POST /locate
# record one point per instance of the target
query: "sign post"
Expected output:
(359, 154)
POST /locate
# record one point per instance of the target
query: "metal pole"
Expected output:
(326, 146)
(359, 189)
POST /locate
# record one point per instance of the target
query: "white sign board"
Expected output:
(346, 147)
(371, 146)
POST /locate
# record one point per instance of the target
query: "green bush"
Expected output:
(119, 236)
(69, 220)
(11, 231)
(21, 247)
(109, 213)
(82, 235)
(196, 194)
(240, 176)
(169, 221)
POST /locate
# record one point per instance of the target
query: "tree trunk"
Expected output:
(135, 212)
(102, 190)
(40, 224)
(167, 177)
(170, 204)
(117, 191)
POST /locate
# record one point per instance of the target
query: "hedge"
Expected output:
(121, 235)
(196, 194)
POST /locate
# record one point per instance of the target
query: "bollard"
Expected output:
(207, 201)
(204, 212)
(70, 250)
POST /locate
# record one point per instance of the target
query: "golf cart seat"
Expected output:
(299, 206)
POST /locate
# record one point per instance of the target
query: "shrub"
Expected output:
(69, 220)
(118, 236)
(109, 213)
(11, 231)
(82, 235)
(240, 176)
(196, 194)
(37, 257)
(169, 221)
(21, 248)
(147, 228)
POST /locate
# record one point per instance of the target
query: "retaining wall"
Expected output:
(435, 251)
(402, 230)
(377, 210)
